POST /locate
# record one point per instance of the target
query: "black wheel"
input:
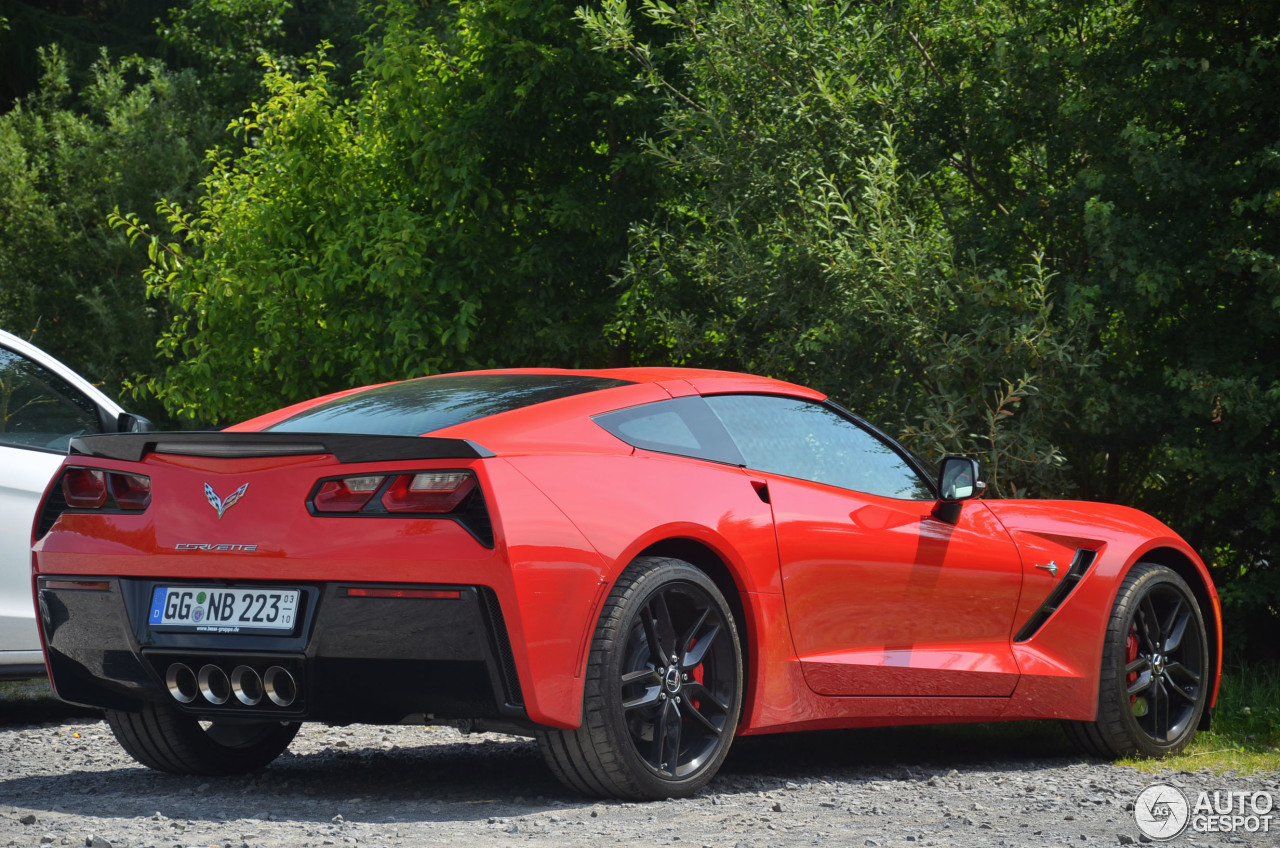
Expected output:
(1155, 669)
(162, 738)
(663, 688)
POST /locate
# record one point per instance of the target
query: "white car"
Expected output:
(43, 403)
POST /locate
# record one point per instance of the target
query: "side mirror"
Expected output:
(127, 422)
(957, 481)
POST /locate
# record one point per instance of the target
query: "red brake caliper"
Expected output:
(696, 674)
(1131, 654)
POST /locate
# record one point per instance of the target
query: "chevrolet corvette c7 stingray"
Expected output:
(634, 566)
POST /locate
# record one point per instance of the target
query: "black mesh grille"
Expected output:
(55, 505)
(474, 515)
(502, 642)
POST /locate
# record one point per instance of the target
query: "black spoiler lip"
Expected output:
(345, 447)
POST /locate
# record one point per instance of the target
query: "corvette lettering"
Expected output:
(207, 546)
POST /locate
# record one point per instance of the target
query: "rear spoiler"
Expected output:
(345, 447)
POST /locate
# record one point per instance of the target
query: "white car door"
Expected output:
(42, 405)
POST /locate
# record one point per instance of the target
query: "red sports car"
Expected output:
(632, 565)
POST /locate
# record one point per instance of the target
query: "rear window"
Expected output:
(428, 404)
(684, 426)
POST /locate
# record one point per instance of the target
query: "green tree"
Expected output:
(80, 28)
(791, 240)
(466, 208)
(1130, 145)
(226, 41)
(1136, 142)
(134, 133)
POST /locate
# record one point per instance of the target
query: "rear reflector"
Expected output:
(423, 594)
(77, 585)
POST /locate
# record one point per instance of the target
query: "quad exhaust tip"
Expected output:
(182, 684)
(214, 684)
(247, 686)
(280, 686)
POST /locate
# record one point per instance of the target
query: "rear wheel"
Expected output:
(663, 688)
(1155, 678)
(165, 739)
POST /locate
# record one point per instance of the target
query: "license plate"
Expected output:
(214, 609)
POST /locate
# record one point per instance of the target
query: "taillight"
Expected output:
(84, 488)
(348, 494)
(130, 491)
(94, 488)
(434, 491)
(454, 494)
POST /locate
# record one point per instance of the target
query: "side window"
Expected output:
(39, 409)
(797, 438)
(682, 426)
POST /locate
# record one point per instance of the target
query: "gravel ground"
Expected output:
(68, 783)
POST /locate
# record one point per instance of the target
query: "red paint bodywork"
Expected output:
(855, 610)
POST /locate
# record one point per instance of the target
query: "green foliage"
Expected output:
(1129, 146)
(1040, 232)
(80, 28)
(792, 242)
(466, 208)
(227, 41)
(1136, 143)
(135, 132)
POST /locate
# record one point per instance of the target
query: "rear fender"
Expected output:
(691, 512)
(558, 581)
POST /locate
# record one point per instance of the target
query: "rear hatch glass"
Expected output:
(428, 404)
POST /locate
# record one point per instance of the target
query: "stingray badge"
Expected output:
(223, 505)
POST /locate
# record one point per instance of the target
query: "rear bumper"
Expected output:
(349, 658)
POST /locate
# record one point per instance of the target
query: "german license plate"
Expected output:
(214, 609)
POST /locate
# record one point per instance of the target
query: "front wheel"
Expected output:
(1155, 677)
(162, 738)
(663, 688)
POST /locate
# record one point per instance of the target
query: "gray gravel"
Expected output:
(68, 783)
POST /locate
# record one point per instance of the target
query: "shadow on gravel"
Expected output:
(32, 702)
(473, 780)
(439, 782)
(801, 756)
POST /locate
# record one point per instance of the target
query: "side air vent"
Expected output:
(502, 643)
(1079, 567)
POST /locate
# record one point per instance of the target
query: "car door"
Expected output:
(42, 405)
(883, 598)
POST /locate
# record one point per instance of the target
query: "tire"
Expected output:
(162, 738)
(653, 726)
(1155, 677)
